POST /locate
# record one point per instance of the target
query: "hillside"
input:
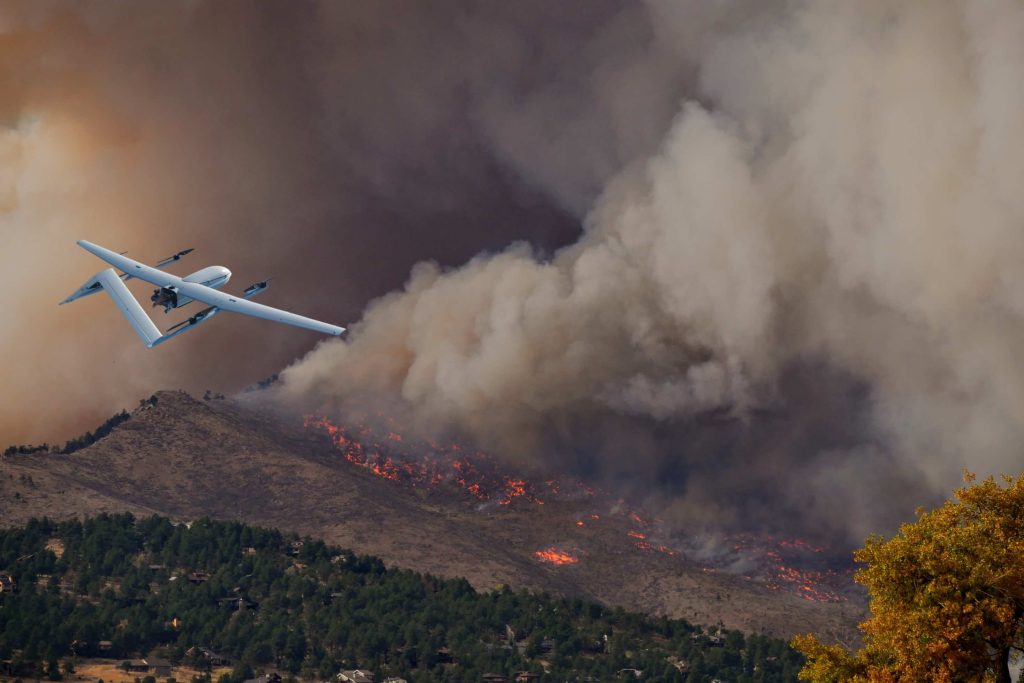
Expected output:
(188, 458)
(116, 587)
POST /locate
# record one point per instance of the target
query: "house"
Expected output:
(137, 666)
(626, 673)
(198, 577)
(710, 639)
(238, 604)
(7, 583)
(681, 665)
(356, 676)
(444, 656)
(493, 678)
(106, 646)
(546, 646)
(161, 668)
(266, 678)
(207, 656)
(395, 680)
(526, 676)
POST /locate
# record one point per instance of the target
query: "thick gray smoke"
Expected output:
(826, 243)
(755, 261)
(328, 145)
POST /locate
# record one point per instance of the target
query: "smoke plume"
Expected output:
(329, 146)
(825, 244)
(756, 262)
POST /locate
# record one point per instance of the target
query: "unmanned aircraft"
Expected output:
(175, 292)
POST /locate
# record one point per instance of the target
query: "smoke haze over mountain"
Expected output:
(795, 296)
(834, 193)
(330, 146)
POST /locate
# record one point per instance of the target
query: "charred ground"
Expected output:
(187, 458)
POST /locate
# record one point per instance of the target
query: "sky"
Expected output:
(754, 262)
(328, 147)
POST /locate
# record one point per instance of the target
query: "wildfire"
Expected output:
(514, 488)
(555, 556)
(779, 564)
(798, 544)
(428, 464)
(794, 565)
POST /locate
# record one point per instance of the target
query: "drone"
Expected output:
(174, 292)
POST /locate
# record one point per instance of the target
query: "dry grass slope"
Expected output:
(187, 458)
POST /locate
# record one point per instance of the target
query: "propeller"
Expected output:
(193, 320)
(257, 286)
(175, 257)
(186, 321)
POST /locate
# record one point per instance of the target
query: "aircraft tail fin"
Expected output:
(91, 286)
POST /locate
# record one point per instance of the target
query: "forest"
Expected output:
(118, 587)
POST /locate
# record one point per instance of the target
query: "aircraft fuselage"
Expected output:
(211, 276)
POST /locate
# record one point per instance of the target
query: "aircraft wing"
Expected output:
(132, 267)
(228, 302)
(207, 295)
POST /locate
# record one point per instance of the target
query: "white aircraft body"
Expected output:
(175, 292)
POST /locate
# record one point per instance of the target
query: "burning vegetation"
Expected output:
(791, 565)
(555, 556)
(788, 564)
(428, 464)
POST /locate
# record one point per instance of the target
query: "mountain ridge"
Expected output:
(236, 459)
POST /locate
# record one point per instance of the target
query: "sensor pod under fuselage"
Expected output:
(211, 276)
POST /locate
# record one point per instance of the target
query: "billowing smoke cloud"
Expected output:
(795, 294)
(327, 145)
(826, 243)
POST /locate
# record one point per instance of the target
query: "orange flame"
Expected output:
(555, 556)
(391, 456)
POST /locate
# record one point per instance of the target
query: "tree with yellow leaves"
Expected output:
(946, 595)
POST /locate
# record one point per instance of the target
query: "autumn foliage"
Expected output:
(946, 595)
